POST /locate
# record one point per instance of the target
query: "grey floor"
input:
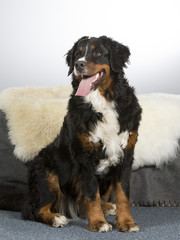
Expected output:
(156, 223)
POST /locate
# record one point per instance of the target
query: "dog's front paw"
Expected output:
(100, 227)
(60, 221)
(127, 226)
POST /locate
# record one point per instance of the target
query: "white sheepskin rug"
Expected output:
(35, 116)
(159, 130)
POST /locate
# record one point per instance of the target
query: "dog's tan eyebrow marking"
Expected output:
(93, 47)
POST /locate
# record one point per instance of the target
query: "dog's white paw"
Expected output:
(111, 211)
(105, 227)
(60, 221)
(128, 227)
(134, 228)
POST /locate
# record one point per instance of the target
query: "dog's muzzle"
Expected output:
(80, 66)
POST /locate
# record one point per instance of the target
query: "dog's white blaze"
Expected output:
(82, 59)
(75, 71)
(86, 51)
(107, 131)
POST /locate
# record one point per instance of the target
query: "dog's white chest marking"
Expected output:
(107, 131)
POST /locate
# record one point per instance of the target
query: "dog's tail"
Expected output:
(12, 199)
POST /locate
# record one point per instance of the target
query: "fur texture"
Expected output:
(159, 131)
(35, 117)
(44, 110)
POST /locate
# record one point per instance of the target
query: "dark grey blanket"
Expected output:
(149, 186)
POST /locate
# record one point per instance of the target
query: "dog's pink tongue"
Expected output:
(85, 86)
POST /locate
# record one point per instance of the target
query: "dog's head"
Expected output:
(92, 60)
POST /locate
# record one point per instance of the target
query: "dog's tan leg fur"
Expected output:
(124, 221)
(97, 221)
(53, 219)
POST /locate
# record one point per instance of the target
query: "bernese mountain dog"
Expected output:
(74, 176)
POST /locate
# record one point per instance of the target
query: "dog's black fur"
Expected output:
(65, 172)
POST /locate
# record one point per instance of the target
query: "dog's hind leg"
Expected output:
(109, 208)
(44, 199)
(47, 211)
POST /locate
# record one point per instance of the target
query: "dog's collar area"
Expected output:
(88, 83)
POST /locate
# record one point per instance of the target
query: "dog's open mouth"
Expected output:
(88, 83)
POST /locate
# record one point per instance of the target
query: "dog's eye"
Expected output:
(96, 54)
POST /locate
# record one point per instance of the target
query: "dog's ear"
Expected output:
(119, 55)
(70, 55)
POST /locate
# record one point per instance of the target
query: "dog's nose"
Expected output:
(80, 65)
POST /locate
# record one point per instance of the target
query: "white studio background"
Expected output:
(36, 34)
